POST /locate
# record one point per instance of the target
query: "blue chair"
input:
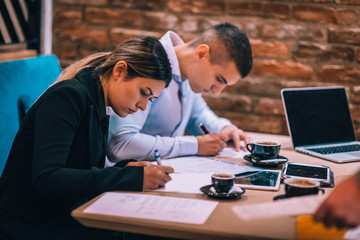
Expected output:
(21, 83)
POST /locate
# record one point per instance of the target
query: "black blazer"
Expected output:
(57, 158)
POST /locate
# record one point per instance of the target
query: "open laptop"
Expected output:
(320, 124)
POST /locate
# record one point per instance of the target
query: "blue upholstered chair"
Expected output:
(21, 83)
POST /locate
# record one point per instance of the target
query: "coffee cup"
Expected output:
(295, 187)
(264, 149)
(222, 182)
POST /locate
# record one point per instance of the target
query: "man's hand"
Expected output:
(342, 206)
(235, 134)
(156, 176)
(211, 144)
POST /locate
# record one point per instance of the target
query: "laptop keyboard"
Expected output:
(337, 149)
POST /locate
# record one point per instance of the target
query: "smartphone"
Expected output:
(313, 172)
(261, 180)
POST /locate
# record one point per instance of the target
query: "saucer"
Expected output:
(235, 192)
(266, 162)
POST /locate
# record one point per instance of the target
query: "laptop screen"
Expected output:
(318, 116)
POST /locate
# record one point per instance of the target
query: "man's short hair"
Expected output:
(229, 39)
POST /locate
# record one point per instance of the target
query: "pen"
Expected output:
(203, 128)
(157, 156)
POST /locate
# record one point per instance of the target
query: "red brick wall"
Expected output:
(296, 43)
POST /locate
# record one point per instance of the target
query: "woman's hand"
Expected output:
(156, 176)
(139, 164)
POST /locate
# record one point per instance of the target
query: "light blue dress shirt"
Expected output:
(163, 124)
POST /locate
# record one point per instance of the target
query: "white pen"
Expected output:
(157, 156)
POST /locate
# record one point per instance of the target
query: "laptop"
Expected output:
(320, 124)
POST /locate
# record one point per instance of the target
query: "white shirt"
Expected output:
(162, 125)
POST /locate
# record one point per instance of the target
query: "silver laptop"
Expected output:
(320, 124)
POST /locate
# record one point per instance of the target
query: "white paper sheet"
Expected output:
(288, 207)
(195, 164)
(352, 233)
(152, 207)
(232, 153)
(186, 182)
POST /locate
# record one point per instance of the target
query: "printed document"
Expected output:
(186, 182)
(172, 209)
(288, 207)
(196, 164)
(353, 233)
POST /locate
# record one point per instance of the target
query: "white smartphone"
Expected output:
(261, 180)
(313, 172)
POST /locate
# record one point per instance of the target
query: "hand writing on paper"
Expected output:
(211, 144)
(342, 207)
(235, 134)
(156, 176)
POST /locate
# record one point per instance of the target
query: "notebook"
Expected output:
(320, 124)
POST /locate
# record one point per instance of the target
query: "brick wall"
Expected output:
(296, 43)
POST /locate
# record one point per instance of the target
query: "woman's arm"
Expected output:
(57, 121)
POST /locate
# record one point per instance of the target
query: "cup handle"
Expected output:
(322, 190)
(250, 149)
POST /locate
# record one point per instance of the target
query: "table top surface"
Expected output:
(223, 222)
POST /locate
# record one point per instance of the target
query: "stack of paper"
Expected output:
(153, 207)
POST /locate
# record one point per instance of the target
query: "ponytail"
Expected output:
(90, 61)
(145, 57)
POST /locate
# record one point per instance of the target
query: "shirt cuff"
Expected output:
(188, 145)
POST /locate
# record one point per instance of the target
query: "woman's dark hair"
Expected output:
(145, 57)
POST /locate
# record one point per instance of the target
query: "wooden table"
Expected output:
(223, 222)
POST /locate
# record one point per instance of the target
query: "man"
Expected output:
(220, 56)
(342, 207)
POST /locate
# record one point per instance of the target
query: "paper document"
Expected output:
(232, 153)
(352, 233)
(288, 207)
(152, 207)
(197, 164)
(186, 182)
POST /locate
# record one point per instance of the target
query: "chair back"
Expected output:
(21, 83)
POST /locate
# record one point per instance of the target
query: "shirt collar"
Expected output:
(169, 41)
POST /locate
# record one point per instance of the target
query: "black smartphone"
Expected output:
(314, 172)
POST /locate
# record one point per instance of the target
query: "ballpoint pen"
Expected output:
(203, 128)
(157, 156)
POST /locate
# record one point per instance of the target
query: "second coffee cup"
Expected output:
(299, 187)
(264, 149)
(222, 182)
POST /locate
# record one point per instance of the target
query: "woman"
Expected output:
(57, 158)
